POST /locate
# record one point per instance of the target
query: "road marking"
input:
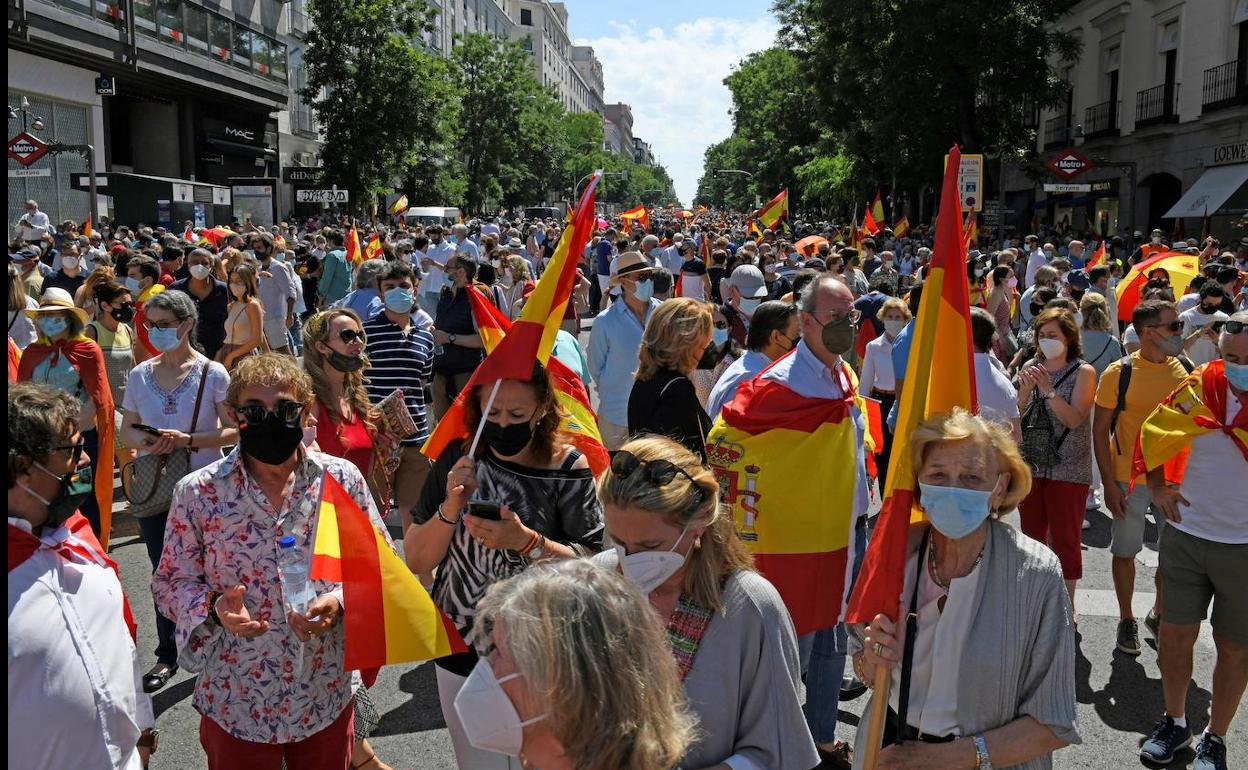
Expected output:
(1103, 603)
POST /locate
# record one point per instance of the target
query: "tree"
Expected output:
(734, 191)
(378, 95)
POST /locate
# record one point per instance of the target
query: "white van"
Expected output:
(428, 215)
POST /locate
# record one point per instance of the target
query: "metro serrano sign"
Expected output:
(1069, 164)
(26, 149)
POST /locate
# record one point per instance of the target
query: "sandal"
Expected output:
(841, 757)
(159, 676)
(372, 762)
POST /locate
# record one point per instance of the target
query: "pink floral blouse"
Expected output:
(222, 532)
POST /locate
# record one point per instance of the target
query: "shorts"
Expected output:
(275, 333)
(1196, 571)
(1127, 533)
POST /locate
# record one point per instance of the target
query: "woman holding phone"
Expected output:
(527, 494)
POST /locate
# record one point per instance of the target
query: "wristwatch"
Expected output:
(538, 550)
(451, 338)
(982, 762)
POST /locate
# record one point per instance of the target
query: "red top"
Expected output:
(349, 440)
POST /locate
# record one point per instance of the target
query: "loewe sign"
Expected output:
(1235, 152)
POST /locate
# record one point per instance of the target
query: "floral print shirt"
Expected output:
(221, 532)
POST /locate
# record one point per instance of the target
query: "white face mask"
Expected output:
(894, 326)
(650, 569)
(1051, 348)
(490, 720)
(199, 272)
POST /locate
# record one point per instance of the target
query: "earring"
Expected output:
(697, 542)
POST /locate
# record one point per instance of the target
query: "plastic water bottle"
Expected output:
(294, 572)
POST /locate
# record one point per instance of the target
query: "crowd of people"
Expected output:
(223, 375)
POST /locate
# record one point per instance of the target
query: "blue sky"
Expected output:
(668, 58)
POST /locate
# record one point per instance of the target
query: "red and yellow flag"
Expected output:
(1098, 256)
(372, 250)
(354, 252)
(869, 225)
(392, 618)
(776, 210)
(877, 208)
(639, 215)
(1181, 268)
(752, 230)
(942, 333)
(86, 226)
(798, 525)
(970, 230)
(901, 227)
(188, 235)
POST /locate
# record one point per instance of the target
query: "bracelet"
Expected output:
(212, 607)
(982, 760)
(190, 441)
(533, 540)
(445, 520)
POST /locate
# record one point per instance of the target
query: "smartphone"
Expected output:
(146, 428)
(484, 510)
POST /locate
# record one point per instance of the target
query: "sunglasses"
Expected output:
(76, 451)
(1173, 326)
(351, 335)
(1230, 327)
(657, 472)
(286, 411)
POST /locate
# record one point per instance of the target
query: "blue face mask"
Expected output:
(954, 512)
(164, 339)
(1236, 374)
(133, 285)
(399, 300)
(52, 326)
(644, 290)
(748, 306)
(719, 336)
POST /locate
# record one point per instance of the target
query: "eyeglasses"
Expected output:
(1173, 326)
(351, 335)
(286, 411)
(75, 449)
(838, 316)
(149, 325)
(721, 324)
(658, 472)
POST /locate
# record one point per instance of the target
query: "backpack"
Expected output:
(1038, 446)
(1124, 382)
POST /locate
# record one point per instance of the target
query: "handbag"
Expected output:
(1039, 445)
(148, 480)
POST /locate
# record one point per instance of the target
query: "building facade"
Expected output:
(589, 68)
(642, 153)
(191, 114)
(1156, 111)
(456, 18)
(542, 28)
(618, 128)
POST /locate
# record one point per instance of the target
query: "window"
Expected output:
(82, 6)
(145, 17)
(242, 47)
(112, 11)
(197, 29)
(219, 38)
(277, 61)
(526, 17)
(261, 47)
(169, 19)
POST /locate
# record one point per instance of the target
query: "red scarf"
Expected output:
(88, 360)
(81, 545)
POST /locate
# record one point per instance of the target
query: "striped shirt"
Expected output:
(400, 359)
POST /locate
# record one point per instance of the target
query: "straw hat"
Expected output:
(56, 300)
(630, 263)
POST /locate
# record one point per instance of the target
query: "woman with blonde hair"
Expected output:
(663, 399)
(727, 627)
(21, 327)
(244, 321)
(84, 297)
(514, 276)
(1100, 345)
(562, 708)
(229, 259)
(991, 666)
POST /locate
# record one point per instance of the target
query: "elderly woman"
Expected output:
(527, 494)
(727, 627)
(541, 692)
(678, 334)
(992, 674)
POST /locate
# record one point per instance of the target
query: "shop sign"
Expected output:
(321, 196)
(301, 174)
(1052, 187)
(1234, 152)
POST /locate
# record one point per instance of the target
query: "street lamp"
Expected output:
(24, 110)
(716, 172)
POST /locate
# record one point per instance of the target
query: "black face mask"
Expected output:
(710, 357)
(1035, 309)
(1209, 309)
(122, 314)
(507, 440)
(271, 441)
(345, 363)
(838, 336)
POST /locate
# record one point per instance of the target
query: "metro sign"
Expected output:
(1069, 164)
(26, 149)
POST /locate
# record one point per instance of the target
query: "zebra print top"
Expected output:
(560, 503)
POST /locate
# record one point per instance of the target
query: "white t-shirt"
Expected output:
(998, 400)
(172, 410)
(1187, 302)
(21, 328)
(1216, 485)
(438, 252)
(1204, 349)
(1037, 260)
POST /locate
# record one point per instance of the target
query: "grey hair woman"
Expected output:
(551, 630)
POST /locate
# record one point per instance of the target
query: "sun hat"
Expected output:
(56, 300)
(630, 263)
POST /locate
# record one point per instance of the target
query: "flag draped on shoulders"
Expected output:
(392, 618)
(940, 376)
(798, 525)
(1196, 407)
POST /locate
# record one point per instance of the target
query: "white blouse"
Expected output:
(877, 366)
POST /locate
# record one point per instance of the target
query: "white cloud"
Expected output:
(674, 82)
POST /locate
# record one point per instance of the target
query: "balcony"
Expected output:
(1223, 86)
(1057, 132)
(1156, 105)
(300, 24)
(1101, 120)
(301, 123)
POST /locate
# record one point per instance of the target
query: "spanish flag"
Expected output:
(1196, 407)
(1098, 256)
(869, 224)
(354, 252)
(901, 227)
(877, 208)
(940, 374)
(391, 618)
(373, 249)
(86, 226)
(639, 215)
(188, 235)
(776, 210)
(581, 425)
(970, 231)
(752, 230)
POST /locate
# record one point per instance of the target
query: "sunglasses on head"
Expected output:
(657, 472)
(286, 411)
(351, 335)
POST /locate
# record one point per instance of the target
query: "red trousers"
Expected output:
(329, 749)
(1053, 514)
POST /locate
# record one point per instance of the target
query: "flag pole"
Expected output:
(880, 683)
(472, 450)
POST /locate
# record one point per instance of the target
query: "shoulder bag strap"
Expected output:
(16, 313)
(199, 395)
(912, 630)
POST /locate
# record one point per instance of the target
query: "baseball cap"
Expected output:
(749, 281)
(816, 263)
(21, 255)
(1078, 279)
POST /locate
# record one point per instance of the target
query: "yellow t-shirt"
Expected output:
(1150, 384)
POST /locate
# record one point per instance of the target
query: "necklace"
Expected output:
(931, 566)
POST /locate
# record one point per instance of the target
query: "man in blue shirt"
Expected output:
(774, 331)
(615, 342)
(335, 273)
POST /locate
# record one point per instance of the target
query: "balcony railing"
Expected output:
(1101, 120)
(1152, 107)
(1223, 86)
(300, 23)
(1057, 132)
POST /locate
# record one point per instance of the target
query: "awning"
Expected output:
(1212, 189)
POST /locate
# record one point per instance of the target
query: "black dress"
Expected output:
(667, 405)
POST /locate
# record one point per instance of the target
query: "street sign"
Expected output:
(971, 182)
(26, 149)
(1069, 164)
(321, 196)
(106, 85)
(1058, 187)
(26, 173)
